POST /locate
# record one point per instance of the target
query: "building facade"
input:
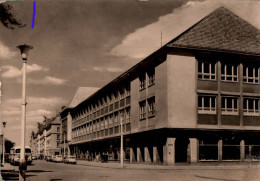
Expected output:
(46, 142)
(194, 99)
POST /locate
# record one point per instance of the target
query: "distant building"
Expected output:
(33, 143)
(46, 141)
(194, 99)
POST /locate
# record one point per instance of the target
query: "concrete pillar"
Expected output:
(194, 150)
(250, 151)
(147, 157)
(242, 150)
(132, 155)
(156, 157)
(169, 151)
(220, 150)
(69, 152)
(139, 155)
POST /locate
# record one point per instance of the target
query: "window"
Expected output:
(207, 70)
(251, 106)
(116, 119)
(251, 74)
(128, 115)
(207, 104)
(58, 137)
(151, 77)
(58, 129)
(127, 89)
(122, 93)
(142, 107)
(151, 107)
(229, 72)
(229, 105)
(142, 80)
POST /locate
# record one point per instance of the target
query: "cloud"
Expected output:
(36, 101)
(108, 69)
(48, 80)
(146, 40)
(10, 71)
(35, 68)
(5, 52)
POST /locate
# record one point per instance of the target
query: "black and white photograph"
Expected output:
(130, 90)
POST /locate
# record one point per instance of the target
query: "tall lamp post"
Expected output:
(64, 132)
(122, 142)
(4, 124)
(22, 169)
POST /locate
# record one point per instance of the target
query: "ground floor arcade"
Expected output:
(169, 146)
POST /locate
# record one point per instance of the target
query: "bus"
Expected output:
(15, 155)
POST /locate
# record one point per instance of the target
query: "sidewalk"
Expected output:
(7, 169)
(178, 166)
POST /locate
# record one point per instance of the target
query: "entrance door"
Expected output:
(181, 149)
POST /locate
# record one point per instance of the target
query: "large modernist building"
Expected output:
(196, 98)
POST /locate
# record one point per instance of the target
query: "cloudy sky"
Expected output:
(87, 43)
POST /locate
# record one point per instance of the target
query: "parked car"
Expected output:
(34, 157)
(70, 159)
(51, 159)
(48, 158)
(58, 158)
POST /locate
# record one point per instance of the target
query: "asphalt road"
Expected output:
(48, 171)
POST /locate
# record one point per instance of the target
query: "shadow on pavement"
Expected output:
(38, 171)
(14, 174)
(214, 178)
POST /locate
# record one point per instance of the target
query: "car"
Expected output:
(48, 158)
(51, 159)
(70, 159)
(58, 158)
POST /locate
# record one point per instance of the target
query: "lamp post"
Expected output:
(24, 53)
(64, 132)
(4, 124)
(122, 142)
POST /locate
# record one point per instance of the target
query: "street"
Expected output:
(42, 170)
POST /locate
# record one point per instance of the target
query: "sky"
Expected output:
(88, 43)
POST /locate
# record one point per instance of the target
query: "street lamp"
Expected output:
(122, 142)
(24, 53)
(64, 132)
(4, 124)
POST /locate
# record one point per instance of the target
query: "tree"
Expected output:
(8, 145)
(7, 17)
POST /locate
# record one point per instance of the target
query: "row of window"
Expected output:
(229, 105)
(150, 108)
(101, 105)
(108, 121)
(229, 72)
(150, 75)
